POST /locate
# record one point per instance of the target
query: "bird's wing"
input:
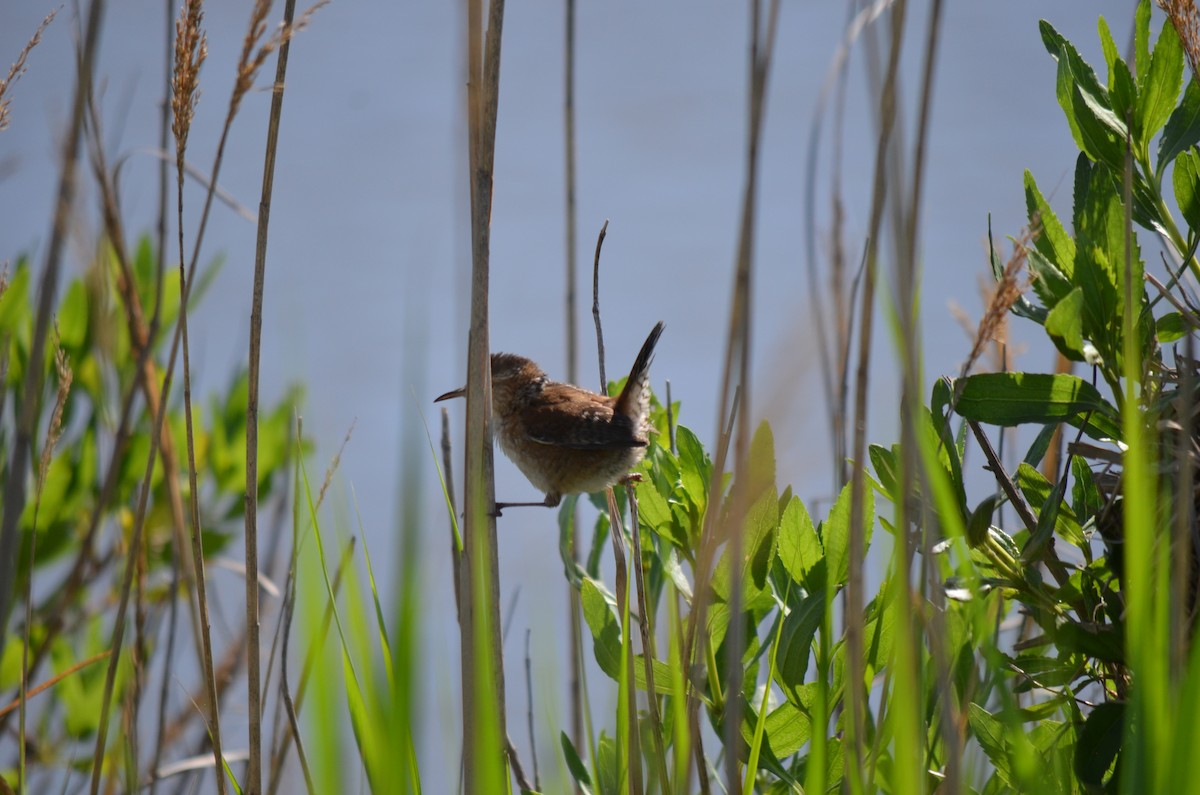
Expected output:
(580, 421)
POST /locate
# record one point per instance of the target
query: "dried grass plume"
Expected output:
(18, 68)
(191, 48)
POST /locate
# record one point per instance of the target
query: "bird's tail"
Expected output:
(635, 397)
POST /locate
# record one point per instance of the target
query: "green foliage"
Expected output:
(1065, 706)
(82, 513)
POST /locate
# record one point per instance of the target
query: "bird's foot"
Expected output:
(551, 501)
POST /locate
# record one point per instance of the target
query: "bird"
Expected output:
(563, 438)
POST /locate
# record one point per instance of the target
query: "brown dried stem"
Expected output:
(253, 783)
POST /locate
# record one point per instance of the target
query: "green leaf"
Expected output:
(1160, 88)
(1182, 130)
(762, 460)
(1099, 743)
(795, 643)
(1053, 516)
(1102, 641)
(1085, 497)
(1053, 242)
(567, 537)
(1170, 328)
(1141, 40)
(1064, 324)
(835, 533)
(800, 548)
(1102, 132)
(758, 534)
(1187, 186)
(990, 733)
(1074, 80)
(695, 470)
(575, 765)
(883, 461)
(73, 318)
(1100, 253)
(1049, 283)
(606, 633)
(1010, 399)
(981, 520)
(788, 728)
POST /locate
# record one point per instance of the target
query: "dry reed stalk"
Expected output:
(734, 390)
(253, 783)
(906, 279)
(141, 337)
(14, 486)
(633, 753)
(191, 49)
(18, 69)
(855, 698)
(575, 621)
(480, 638)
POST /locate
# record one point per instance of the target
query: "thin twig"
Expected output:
(455, 550)
(286, 693)
(253, 782)
(537, 779)
(596, 306)
(575, 619)
(855, 697)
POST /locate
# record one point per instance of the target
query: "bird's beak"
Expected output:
(461, 392)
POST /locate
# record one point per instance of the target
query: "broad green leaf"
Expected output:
(1187, 186)
(695, 470)
(835, 533)
(1049, 283)
(575, 765)
(1162, 82)
(800, 548)
(1182, 130)
(1075, 77)
(758, 536)
(990, 733)
(1085, 497)
(606, 633)
(73, 318)
(609, 772)
(1102, 132)
(1170, 328)
(883, 461)
(14, 301)
(1100, 252)
(1101, 641)
(1099, 743)
(1009, 399)
(1141, 40)
(762, 460)
(795, 643)
(788, 729)
(1064, 324)
(1053, 517)
(1052, 241)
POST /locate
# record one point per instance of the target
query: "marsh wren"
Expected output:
(564, 439)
